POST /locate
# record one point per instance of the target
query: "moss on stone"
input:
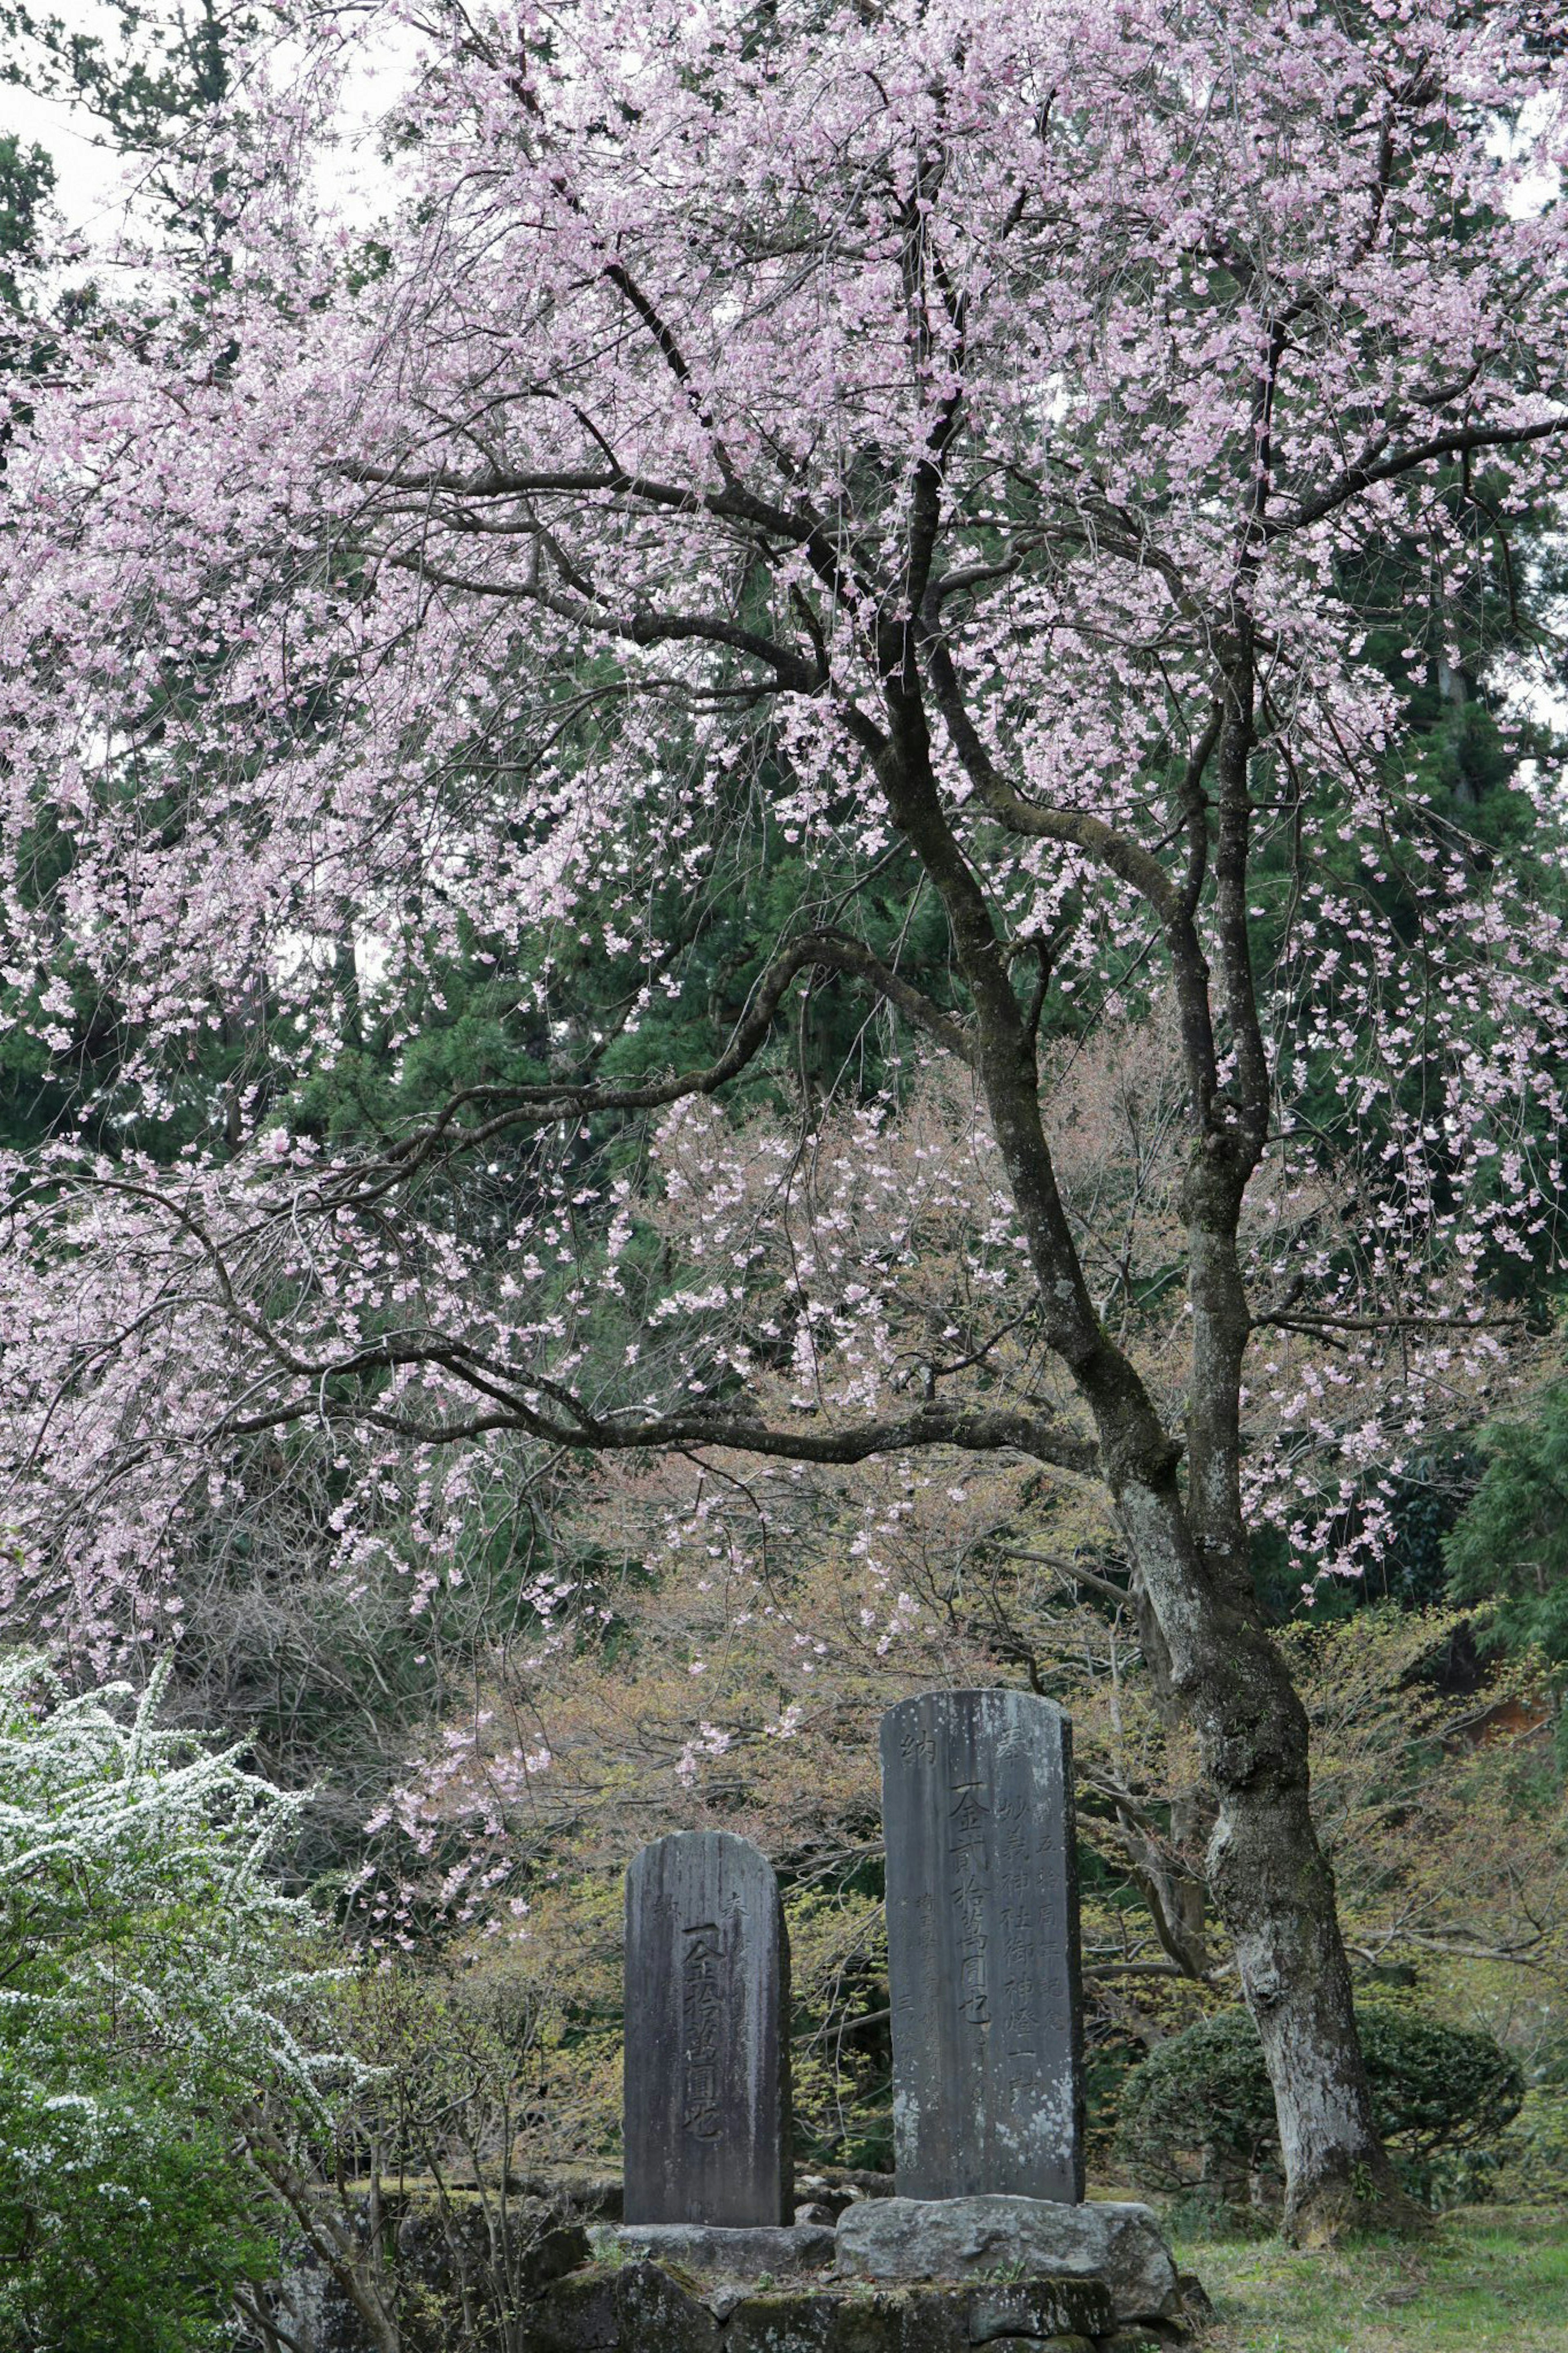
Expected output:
(1042, 2345)
(868, 2322)
(648, 2307)
(784, 2320)
(935, 2320)
(577, 2314)
(1039, 2308)
(659, 2315)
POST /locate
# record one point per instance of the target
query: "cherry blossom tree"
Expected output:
(946, 441)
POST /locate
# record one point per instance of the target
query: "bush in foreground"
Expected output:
(153, 1984)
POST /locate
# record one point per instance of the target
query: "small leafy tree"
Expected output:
(153, 1983)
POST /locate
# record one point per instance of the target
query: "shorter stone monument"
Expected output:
(707, 2036)
(982, 1946)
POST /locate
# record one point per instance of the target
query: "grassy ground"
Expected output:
(1494, 2279)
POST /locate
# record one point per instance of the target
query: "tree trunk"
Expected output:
(1177, 1891)
(1269, 1878)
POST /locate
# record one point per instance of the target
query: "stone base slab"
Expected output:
(641, 2307)
(780, 2251)
(887, 2239)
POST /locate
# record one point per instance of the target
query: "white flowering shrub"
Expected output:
(154, 1987)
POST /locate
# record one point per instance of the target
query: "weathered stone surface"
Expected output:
(983, 1945)
(658, 2316)
(1040, 2308)
(552, 2255)
(579, 2314)
(839, 2187)
(786, 2320)
(707, 2050)
(453, 2251)
(785, 2251)
(1044, 2345)
(934, 2320)
(1195, 2305)
(641, 2309)
(869, 2322)
(571, 2188)
(954, 2238)
(445, 2251)
(606, 2311)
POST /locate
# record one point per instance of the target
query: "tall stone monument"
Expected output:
(707, 2051)
(982, 1946)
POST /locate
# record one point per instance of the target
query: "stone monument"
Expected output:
(991, 2251)
(982, 1946)
(707, 2036)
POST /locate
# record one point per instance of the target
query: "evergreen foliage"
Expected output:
(1199, 2111)
(1509, 1547)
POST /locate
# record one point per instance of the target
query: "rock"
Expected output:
(1191, 2313)
(838, 2186)
(816, 2210)
(1040, 2307)
(606, 2311)
(553, 2254)
(953, 2238)
(593, 2193)
(822, 2320)
(577, 2314)
(1044, 2345)
(785, 2251)
(790, 2320)
(640, 2308)
(572, 2188)
(934, 2320)
(1196, 2309)
(656, 2315)
(870, 2323)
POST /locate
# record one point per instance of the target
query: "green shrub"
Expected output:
(1198, 2115)
(123, 2222)
(1532, 2160)
(153, 1987)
